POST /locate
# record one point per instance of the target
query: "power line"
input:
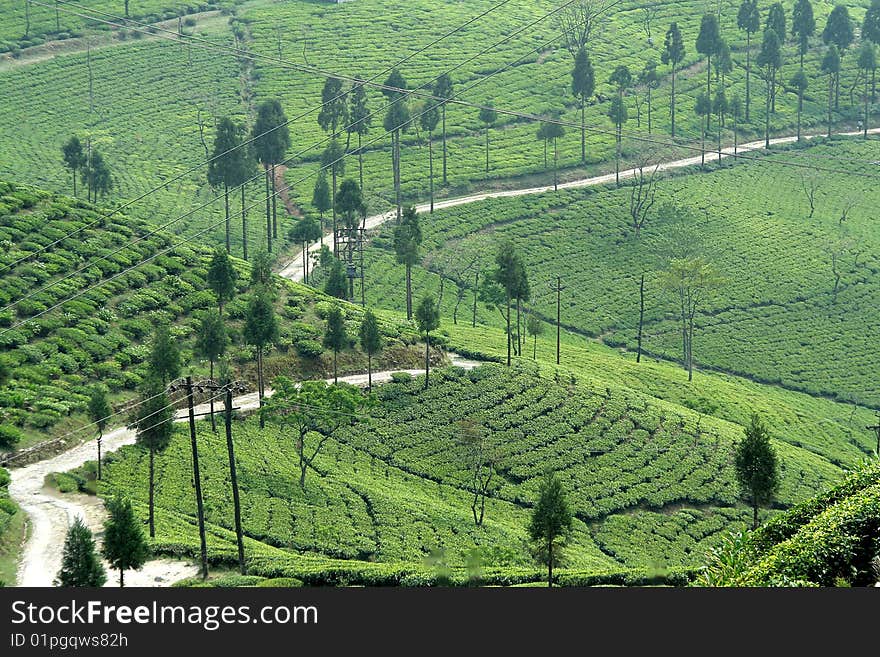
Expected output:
(403, 92)
(245, 142)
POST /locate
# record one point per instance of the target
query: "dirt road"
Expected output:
(294, 269)
(50, 513)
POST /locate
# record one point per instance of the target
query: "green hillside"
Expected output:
(146, 88)
(393, 487)
(103, 334)
(776, 319)
(830, 540)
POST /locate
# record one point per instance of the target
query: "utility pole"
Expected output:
(233, 476)
(196, 476)
(558, 314)
(641, 317)
(876, 428)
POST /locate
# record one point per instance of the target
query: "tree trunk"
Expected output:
(708, 85)
(690, 347)
(397, 174)
(230, 450)
(549, 563)
(74, 183)
(274, 201)
(226, 202)
(444, 145)
(748, 72)
(866, 105)
(333, 207)
(487, 149)
(641, 318)
(800, 109)
(243, 225)
(122, 578)
(305, 262)
(519, 341)
(672, 101)
(431, 168)
(360, 163)
(767, 117)
(830, 98)
(213, 419)
(152, 480)
(409, 291)
(268, 212)
(617, 155)
(754, 516)
(100, 438)
(335, 369)
(427, 357)
(584, 133)
(649, 110)
(369, 371)
(260, 384)
(555, 166)
(508, 330)
(476, 294)
(535, 348)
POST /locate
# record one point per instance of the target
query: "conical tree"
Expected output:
(124, 544)
(371, 342)
(80, 565)
(583, 84)
(550, 524)
(153, 423)
(757, 467)
(427, 319)
(99, 412)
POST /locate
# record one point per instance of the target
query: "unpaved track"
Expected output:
(50, 513)
(294, 269)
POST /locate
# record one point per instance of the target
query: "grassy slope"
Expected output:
(776, 319)
(146, 91)
(391, 490)
(103, 335)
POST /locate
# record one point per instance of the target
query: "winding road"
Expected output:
(50, 513)
(293, 270)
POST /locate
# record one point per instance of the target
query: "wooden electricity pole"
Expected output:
(196, 477)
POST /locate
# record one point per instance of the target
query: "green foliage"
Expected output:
(164, 355)
(153, 417)
(321, 195)
(221, 277)
(550, 523)
(99, 409)
(839, 28)
(124, 545)
(427, 315)
(408, 237)
(757, 467)
(211, 336)
(369, 334)
(335, 336)
(261, 325)
(336, 284)
(80, 565)
(270, 133)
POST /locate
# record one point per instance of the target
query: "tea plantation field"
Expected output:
(776, 319)
(148, 93)
(103, 334)
(393, 487)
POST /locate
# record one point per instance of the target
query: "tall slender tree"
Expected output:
(164, 361)
(840, 32)
(443, 89)
(407, 240)
(871, 32)
(831, 67)
(803, 26)
(707, 44)
(99, 411)
(488, 116)
(74, 157)
(336, 284)
(397, 120)
(360, 119)
(226, 163)
(621, 78)
(350, 205)
(221, 278)
(333, 160)
(702, 108)
(305, 231)
(507, 275)
(334, 107)
(271, 139)
(430, 117)
(260, 330)
(335, 337)
(583, 84)
(211, 341)
(748, 20)
(321, 199)
(868, 66)
(371, 342)
(649, 80)
(776, 20)
(673, 54)
(770, 59)
(153, 424)
(800, 82)
(427, 319)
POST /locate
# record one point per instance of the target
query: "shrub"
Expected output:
(309, 348)
(9, 437)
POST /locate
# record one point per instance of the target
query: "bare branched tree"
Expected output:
(649, 13)
(810, 183)
(849, 203)
(581, 21)
(642, 194)
(480, 458)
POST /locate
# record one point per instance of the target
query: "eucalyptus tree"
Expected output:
(708, 43)
(443, 89)
(221, 278)
(800, 82)
(305, 231)
(351, 207)
(770, 59)
(260, 330)
(803, 26)
(211, 342)
(321, 199)
(649, 80)
(583, 84)
(430, 117)
(371, 342)
(868, 66)
(407, 240)
(226, 163)
(748, 19)
(74, 157)
(838, 31)
(673, 54)
(831, 67)
(488, 116)
(360, 119)
(621, 78)
(427, 319)
(271, 139)
(333, 159)
(397, 120)
(153, 423)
